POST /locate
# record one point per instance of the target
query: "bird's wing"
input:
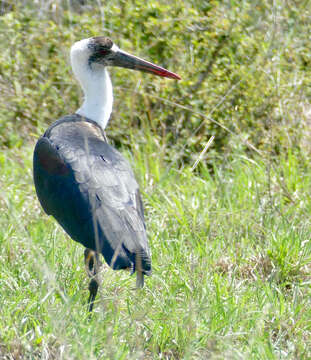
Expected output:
(86, 182)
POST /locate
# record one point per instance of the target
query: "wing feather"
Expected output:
(91, 190)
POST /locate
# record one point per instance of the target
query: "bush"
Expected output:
(244, 68)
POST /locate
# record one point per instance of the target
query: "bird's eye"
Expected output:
(103, 51)
(100, 55)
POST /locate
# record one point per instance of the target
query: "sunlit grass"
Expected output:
(231, 261)
(230, 240)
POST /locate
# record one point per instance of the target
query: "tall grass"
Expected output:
(230, 239)
(231, 258)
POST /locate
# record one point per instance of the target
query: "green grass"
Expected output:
(230, 240)
(231, 262)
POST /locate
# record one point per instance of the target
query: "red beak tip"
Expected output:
(173, 76)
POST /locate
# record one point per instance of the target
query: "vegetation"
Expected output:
(230, 237)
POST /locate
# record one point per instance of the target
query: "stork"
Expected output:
(86, 184)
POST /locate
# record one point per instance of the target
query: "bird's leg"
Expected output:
(92, 266)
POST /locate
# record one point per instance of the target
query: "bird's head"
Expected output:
(98, 52)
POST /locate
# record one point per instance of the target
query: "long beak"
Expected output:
(125, 60)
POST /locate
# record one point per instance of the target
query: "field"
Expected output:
(229, 228)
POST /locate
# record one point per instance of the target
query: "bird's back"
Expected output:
(90, 189)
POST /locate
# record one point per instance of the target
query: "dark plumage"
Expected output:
(90, 189)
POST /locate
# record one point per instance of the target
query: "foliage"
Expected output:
(231, 258)
(245, 69)
(230, 240)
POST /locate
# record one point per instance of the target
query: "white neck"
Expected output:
(98, 95)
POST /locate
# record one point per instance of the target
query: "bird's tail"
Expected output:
(139, 271)
(139, 279)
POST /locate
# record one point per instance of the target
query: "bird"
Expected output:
(83, 181)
